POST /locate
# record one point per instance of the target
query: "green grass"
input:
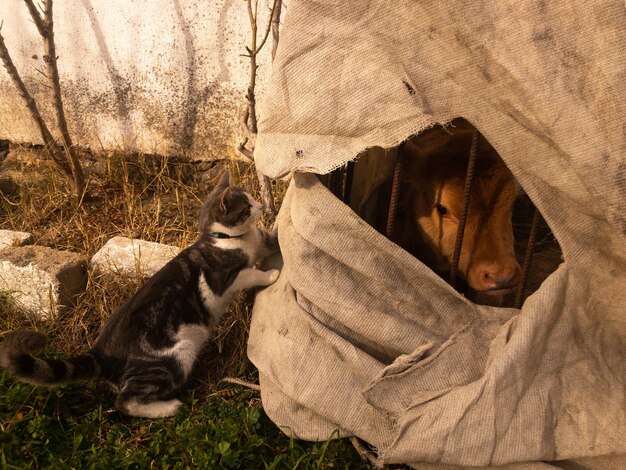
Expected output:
(76, 427)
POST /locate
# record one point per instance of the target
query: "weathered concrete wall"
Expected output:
(158, 76)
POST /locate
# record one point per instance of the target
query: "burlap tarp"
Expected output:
(359, 337)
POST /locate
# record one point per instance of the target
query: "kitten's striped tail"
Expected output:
(16, 359)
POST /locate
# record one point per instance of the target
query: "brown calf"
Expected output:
(434, 170)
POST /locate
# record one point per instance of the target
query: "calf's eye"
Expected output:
(443, 210)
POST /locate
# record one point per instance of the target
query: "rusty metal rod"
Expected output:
(454, 269)
(530, 248)
(334, 183)
(395, 194)
(347, 190)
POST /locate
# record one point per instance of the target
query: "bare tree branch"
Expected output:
(55, 151)
(66, 156)
(53, 74)
(266, 193)
(249, 121)
(276, 26)
(37, 19)
(250, 136)
(244, 151)
(268, 29)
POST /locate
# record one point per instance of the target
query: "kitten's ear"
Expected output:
(223, 186)
(219, 188)
(217, 195)
(223, 198)
(224, 180)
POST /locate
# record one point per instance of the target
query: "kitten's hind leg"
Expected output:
(157, 409)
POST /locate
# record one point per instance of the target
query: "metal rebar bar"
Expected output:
(530, 248)
(335, 182)
(395, 194)
(347, 190)
(469, 177)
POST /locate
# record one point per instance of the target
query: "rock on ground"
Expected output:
(132, 257)
(10, 238)
(41, 279)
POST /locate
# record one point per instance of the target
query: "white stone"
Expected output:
(132, 257)
(12, 238)
(40, 279)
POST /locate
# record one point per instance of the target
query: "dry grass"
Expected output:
(139, 196)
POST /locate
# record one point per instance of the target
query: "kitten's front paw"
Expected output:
(272, 276)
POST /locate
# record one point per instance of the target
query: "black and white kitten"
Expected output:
(148, 347)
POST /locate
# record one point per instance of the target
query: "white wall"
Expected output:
(159, 76)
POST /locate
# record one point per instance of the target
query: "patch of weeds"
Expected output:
(73, 427)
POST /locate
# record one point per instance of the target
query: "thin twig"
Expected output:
(243, 383)
(42, 73)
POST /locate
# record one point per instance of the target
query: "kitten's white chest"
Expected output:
(250, 243)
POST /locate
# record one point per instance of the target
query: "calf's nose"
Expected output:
(498, 276)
